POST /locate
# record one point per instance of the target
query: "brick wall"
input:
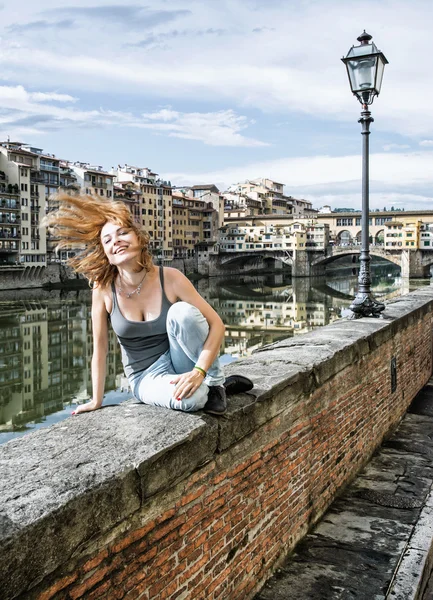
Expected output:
(219, 530)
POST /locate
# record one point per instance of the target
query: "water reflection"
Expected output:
(46, 341)
(45, 352)
(259, 310)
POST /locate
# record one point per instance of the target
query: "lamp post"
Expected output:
(365, 65)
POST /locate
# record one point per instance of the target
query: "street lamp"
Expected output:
(365, 65)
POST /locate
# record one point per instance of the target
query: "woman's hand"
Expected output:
(187, 384)
(92, 405)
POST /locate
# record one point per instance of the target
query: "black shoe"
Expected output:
(216, 401)
(236, 384)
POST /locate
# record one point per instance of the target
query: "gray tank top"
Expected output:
(141, 342)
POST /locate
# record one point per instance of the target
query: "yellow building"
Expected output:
(155, 202)
(411, 235)
(393, 237)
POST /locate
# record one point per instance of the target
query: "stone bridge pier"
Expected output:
(415, 264)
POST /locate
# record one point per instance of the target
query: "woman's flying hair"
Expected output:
(76, 223)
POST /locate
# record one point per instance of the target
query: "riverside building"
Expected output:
(194, 221)
(27, 177)
(406, 230)
(154, 203)
(270, 196)
(259, 234)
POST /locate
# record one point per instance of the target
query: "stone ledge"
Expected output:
(302, 364)
(63, 485)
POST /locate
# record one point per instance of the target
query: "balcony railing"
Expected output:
(49, 168)
(9, 204)
(4, 235)
(36, 179)
(99, 184)
(5, 218)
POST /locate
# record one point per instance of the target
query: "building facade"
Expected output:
(270, 195)
(23, 201)
(258, 235)
(155, 203)
(194, 221)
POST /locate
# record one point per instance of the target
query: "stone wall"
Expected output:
(54, 275)
(134, 501)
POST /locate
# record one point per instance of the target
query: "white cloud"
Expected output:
(426, 143)
(51, 97)
(388, 147)
(245, 70)
(214, 129)
(399, 178)
(19, 108)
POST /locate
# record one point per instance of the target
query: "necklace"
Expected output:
(136, 291)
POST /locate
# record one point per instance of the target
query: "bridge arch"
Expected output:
(344, 238)
(379, 238)
(339, 252)
(228, 257)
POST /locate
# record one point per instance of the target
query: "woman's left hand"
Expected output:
(186, 384)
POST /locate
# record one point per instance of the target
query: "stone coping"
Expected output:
(62, 486)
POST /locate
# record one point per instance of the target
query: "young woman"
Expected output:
(168, 334)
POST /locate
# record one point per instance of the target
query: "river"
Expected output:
(46, 342)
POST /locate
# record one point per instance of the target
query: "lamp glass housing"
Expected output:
(365, 65)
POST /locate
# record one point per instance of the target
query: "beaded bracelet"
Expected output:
(202, 371)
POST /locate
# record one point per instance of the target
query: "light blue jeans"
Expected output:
(187, 331)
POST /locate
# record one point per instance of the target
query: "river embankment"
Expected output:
(135, 499)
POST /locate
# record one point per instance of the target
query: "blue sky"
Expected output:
(207, 91)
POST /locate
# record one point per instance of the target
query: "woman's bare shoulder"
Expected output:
(103, 296)
(172, 274)
(174, 280)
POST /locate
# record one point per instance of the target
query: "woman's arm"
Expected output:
(100, 350)
(184, 290)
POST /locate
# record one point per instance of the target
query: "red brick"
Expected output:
(171, 590)
(100, 591)
(163, 530)
(167, 515)
(188, 498)
(166, 553)
(78, 592)
(194, 568)
(203, 473)
(94, 562)
(132, 537)
(58, 586)
(131, 594)
(133, 581)
(156, 589)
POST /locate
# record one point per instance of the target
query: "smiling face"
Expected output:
(121, 244)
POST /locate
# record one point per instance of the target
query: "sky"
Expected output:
(221, 91)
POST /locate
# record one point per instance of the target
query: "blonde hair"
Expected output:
(77, 223)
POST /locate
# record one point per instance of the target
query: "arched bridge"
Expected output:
(309, 261)
(283, 256)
